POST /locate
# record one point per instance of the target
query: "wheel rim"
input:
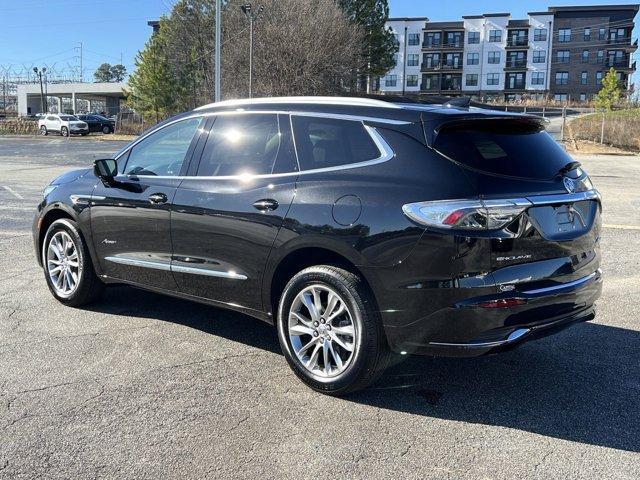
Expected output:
(63, 266)
(65, 132)
(43, 130)
(321, 331)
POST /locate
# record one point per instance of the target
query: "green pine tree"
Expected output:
(154, 87)
(380, 44)
(610, 92)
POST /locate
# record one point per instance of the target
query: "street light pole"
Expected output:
(216, 60)
(252, 16)
(39, 73)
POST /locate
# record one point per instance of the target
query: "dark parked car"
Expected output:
(355, 226)
(98, 123)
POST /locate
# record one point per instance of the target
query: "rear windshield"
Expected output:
(505, 147)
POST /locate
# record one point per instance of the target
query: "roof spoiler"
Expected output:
(458, 102)
(432, 127)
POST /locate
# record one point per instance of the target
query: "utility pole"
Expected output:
(80, 73)
(39, 73)
(404, 63)
(4, 95)
(216, 60)
(252, 16)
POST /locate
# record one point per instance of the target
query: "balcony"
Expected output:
(430, 66)
(431, 45)
(454, 44)
(619, 41)
(428, 88)
(518, 42)
(516, 64)
(515, 85)
(449, 65)
(619, 64)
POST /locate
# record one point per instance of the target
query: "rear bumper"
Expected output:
(468, 329)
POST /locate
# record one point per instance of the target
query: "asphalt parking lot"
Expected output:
(144, 386)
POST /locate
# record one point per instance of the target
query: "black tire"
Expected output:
(106, 129)
(43, 131)
(89, 287)
(370, 354)
(64, 131)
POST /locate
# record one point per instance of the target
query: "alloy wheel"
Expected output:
(63, 264)
(321, 331)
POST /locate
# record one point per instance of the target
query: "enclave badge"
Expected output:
(568, 184)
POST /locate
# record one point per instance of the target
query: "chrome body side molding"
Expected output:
(134, 262)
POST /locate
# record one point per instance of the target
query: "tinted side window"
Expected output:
(327, 142)
(507, 147)
(163, 152)
(241, 144)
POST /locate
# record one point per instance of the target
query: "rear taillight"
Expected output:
(502, 303)
(467, 214)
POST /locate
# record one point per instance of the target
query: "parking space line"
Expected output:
(622, 227)
(13, 192)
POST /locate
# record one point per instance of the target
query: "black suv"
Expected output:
(358, 227)
(98, 123)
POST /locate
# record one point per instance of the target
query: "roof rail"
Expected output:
(354, 101)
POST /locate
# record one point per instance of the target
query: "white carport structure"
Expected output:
(29, 101)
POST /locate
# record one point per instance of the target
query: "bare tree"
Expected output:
(300, 48)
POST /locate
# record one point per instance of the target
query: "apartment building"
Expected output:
(405, 76)
(563, 53)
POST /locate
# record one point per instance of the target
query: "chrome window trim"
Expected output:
(271, 112)
(167, 267)
(386, 154)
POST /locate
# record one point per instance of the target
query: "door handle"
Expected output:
(265, 204)
(158, 198)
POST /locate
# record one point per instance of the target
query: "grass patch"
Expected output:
(621, 128)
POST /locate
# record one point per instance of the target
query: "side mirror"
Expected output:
(105, 168)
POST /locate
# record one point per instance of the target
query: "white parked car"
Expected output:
(63, 124)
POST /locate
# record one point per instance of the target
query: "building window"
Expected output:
(587, 34)
(602, 33)
(413, 59)
(454, 39)
(562, 78)
(495, 35)
(473, 58)
(474, 37)
(414, 39)
(562, 56)
(472, 80)
(453, 60)
(395, 39)
(583, 97)
(431, 60)
(493, 78)
(583, 78)
(564, 35)
(430, 82)
(432, 39)
(600, 56)
(540, 35)
(395, 59)
(537, 78)
(598, 78)
(539, 56)
(494, 57)
(585, 56)
(390, 80)
(451, 81)
(560, 97)
(412, 80)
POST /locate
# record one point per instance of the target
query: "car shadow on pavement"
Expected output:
(582, 384)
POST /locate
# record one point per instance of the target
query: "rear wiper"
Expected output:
(568, 167)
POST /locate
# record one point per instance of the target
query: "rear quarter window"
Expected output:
(504, 147)
(327, 142)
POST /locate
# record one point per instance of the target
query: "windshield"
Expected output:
(66, 118)
(504, 147)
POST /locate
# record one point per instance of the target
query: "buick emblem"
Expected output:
(568, 184)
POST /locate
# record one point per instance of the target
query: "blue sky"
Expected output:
(45, 32)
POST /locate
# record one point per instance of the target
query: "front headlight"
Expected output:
(48, 189)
